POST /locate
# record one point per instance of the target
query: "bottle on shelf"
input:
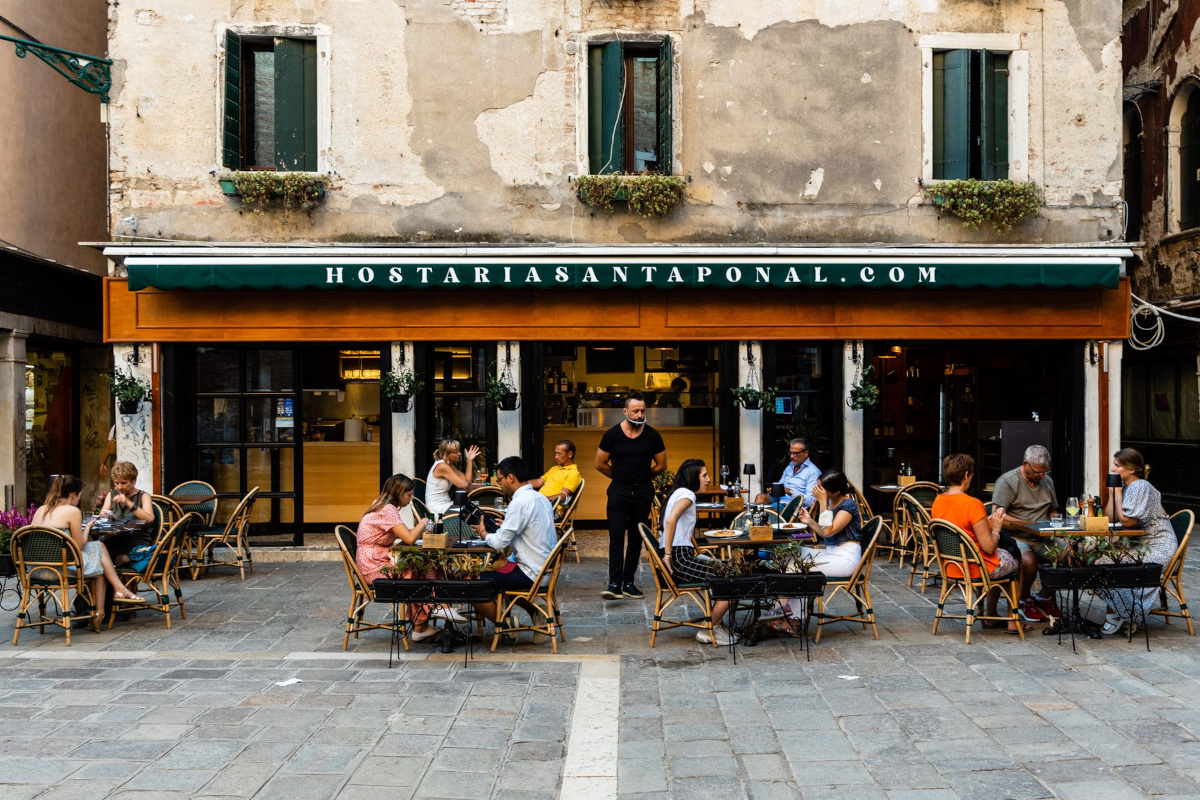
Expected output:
(563, 386)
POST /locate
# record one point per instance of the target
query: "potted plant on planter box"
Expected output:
(400, 386)
(129, 390)
(1094, 563)
(10, 521)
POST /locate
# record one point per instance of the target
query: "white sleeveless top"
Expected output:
(437, 491)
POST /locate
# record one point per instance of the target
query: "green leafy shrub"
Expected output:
(1005, 203)
(297, 190)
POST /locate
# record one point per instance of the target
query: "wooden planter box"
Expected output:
(1101, 576)
(400, 590)
(745, 587)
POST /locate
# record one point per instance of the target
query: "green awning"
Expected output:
(175, 274)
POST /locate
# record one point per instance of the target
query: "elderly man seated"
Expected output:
(1026, 494)
(562, 480)
(799, 477)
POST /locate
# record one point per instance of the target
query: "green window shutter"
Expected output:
(295, 105)
(595, 106)
(994, 125)
(1189, 165)
(232, 141)
(612, 110)
(665, 145)
(951, 114)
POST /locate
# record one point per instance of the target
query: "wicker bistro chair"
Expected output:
(233, 537)
(923, 560)
(924, 492)
(161, 575)
(668, 592)
(1171, 586)
(958, 553)
(792, 509)
(486, 496)
(49, 567)
(362, 594)
(565, 524)
(857, 586)
(545, 585)
(208, 510)
(420, 510)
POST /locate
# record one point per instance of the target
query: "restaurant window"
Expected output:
(49, 418)
(802, 407)
(970, 114)
(458, 377)
(1188, 177)
(243, 430)
(629, 107)
(270, 112)
(1160, 402)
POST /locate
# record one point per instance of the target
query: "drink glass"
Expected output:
(1056, 519)
(1073, 511)
(724, 475)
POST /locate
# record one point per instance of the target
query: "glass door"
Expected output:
(49, 418)
(244, 432)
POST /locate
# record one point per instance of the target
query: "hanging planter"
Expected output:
(863, 393)
(400, 386)
(753, 399)
(128, 390)
(501, 392)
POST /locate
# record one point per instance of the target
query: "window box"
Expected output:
(1003, 203)
(301, 191)
(648, 195)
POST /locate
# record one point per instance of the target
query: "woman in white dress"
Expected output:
(444, 476)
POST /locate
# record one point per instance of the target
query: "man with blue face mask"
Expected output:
(631, 453)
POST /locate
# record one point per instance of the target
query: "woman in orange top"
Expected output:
(955, 505)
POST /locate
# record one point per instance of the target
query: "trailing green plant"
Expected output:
(663, 480)
(750, 397)
(300, 191)
(863, 392)
(1004, 203)
(498, 389)
(733, 567)
(791, 558)
(648, 195)
(126, 387)
(397, 383)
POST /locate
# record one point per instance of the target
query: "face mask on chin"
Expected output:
(635, 422)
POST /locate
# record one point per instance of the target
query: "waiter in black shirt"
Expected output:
(631, 453)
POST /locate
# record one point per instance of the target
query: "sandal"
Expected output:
(781, 626)
(133, 598)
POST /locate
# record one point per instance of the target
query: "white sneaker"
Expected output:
(703, 636)
(448, 614)
(720, 634)
(1112, 624)
(419, 636)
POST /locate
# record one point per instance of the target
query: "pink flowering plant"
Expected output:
(11, 520)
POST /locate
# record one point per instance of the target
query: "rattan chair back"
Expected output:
(486, 496)
(207, 510)
(924, 492)
(49, 565)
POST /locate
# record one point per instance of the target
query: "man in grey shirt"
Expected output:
(1027, 495)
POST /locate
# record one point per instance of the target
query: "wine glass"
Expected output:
(1073, 511)
(724, 475)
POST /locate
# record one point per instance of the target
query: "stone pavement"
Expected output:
(197, 711)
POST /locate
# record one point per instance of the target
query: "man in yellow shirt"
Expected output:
(563, 479)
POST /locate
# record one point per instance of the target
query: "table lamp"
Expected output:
(777, 492)
(748, 471)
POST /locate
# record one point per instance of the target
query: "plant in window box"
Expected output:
(1003, 203)
(501, 394)
(753, 399)
(648, 195)
(301, 191)
(863, 393)
(400, 386)
(129, 391)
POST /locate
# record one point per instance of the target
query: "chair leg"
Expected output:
(1011, 596)
(937, 617)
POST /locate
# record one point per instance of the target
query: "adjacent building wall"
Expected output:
(465, 121)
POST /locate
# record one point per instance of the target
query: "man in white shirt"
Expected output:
(528, 528)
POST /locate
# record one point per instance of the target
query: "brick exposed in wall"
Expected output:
(488, 16)
(631, 15)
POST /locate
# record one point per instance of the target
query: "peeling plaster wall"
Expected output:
(453, 120)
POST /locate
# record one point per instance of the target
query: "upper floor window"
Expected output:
(970, 114)
(629, 107)
(1185, 118)
(270, 103)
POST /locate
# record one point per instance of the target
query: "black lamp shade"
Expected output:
(460, 497)
(748, 469)
(777, 490)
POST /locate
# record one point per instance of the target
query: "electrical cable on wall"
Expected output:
(1146, 328)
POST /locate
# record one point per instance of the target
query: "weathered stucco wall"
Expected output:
(52, 141)
(798, 120)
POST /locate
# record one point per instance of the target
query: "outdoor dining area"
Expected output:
(764, 574)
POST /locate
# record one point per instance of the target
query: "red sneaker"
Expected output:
(1030, 612)
(1048, 607)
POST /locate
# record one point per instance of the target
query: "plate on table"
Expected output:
(723, 533)
(710, 505)
(793, 526)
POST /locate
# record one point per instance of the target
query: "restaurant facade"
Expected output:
(450, 239)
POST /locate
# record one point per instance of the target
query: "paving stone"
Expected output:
(456, 785)
(641, 775)
(326, 759)
(998, 784)
(302, 787)
(169, 779)
(243, 779)
(390, 771)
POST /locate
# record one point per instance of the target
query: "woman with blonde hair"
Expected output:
(444, 474)
(60, 510)
(1136, 504)
(127, 503)
(380, 529)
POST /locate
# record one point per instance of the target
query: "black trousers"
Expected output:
(626, 508)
